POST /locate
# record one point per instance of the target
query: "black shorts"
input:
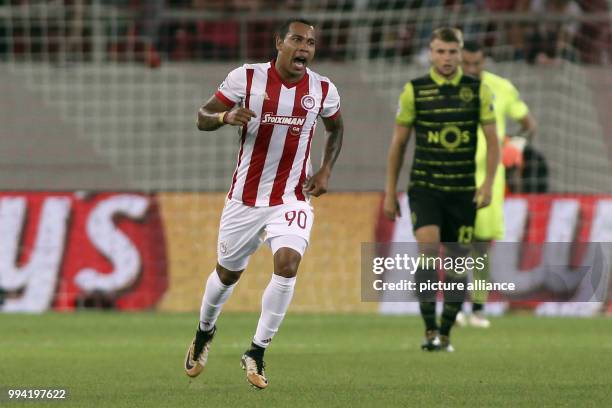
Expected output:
(454, 213)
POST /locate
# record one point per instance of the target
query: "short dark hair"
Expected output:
(473, 46)
(448, 34)
(283, 29)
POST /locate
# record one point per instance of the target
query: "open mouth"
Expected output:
(299, 62)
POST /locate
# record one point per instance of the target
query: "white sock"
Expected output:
(215, 295)
(274, 305)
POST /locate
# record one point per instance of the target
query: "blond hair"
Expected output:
(448, 34)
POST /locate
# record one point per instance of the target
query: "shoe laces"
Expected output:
(201, 341)
(255, 364)
(198, 348)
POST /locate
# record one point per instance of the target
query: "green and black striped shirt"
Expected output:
(445, 115)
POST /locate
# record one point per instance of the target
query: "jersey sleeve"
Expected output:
(233, 89)
(405, 108)
(517, 108)
(331, 104)
(487, 108)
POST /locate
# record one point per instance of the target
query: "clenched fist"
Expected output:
(238, 116)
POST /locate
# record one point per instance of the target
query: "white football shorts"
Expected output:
(243, 229)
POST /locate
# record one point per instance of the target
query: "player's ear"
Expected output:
(279, 42)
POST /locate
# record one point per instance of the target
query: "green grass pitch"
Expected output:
(135, 360)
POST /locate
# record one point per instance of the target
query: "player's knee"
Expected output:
(457, 250)
(428, 237)
(286, 270)
(429, 245)
(286, 262)
(228, 277)
(429, 250)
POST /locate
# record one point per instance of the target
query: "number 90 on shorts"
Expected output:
(243, 229)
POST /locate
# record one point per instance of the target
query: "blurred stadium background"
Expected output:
(110, 197)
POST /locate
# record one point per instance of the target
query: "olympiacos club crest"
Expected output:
(308, 102)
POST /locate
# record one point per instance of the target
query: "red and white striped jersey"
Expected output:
(274, 156)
